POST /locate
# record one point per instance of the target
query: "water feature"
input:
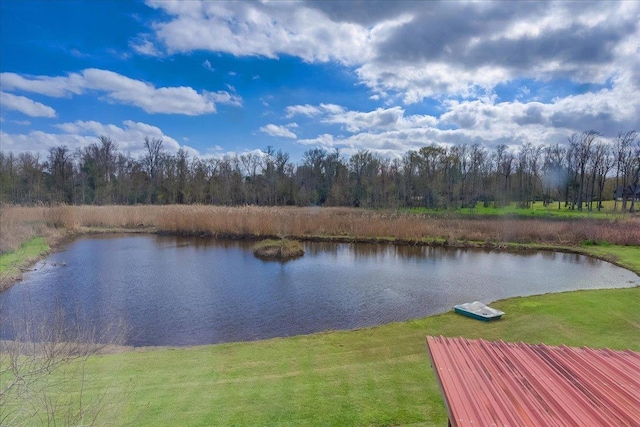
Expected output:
(185, 291)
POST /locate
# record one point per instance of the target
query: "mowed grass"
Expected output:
(625, 256)
(11, 263)
(536, 210)
(379, 376)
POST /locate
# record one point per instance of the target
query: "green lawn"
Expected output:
(536, 210)
(12, 262)
(625, 256)
(377, 376)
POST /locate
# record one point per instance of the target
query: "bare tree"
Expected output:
(635, 175)
(31, 186)
(363, 166)
(151, 162)
(600, 165)
(504, 162)
(623, 154)
(555, 172)
(60, 171)
(584, 151)
(251, 162)
(98, 162)
(42, 371)
(478, 156)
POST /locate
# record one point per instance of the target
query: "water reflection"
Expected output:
(174, 290)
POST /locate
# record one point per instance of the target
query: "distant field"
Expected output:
(537, 209)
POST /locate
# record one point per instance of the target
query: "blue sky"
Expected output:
(219, 78)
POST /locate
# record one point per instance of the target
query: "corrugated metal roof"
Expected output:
(494, 383)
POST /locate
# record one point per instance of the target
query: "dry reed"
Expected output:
(355, 224)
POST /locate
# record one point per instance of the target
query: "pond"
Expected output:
(178, 291)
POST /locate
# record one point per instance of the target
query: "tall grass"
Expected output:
(19, 224)
(346, 223)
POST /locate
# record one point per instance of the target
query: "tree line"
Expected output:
(579, 174)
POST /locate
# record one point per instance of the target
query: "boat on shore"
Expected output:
(479, 311)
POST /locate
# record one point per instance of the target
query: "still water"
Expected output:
(184, 291)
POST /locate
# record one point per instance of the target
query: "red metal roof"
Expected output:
(494, 383)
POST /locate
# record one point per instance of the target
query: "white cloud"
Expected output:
(38, 142)
(206, 64)
(325, 141)
(280, 131)
(264, 29)
(44, 85)
(391, 133)
(129, 138)
(419, 50)
(355, 121)
(124, 90)
(305, 110)
(25, 105)
(224, 97)
(121, 89)
(144, 47)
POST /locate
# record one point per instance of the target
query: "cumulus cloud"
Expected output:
(280, 131)
(391, 133)
(313, 110)
(326, 141)
(143, 46)
(123, 90)
(25, 105)
(305, 110)
(355, 121)
(129, 138)
(266, 29)
(456, 48)
(456, 55)
(57, 87)
(419, 49)
(38, 142)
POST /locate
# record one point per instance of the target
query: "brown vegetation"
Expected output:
(281, 249)
(328, 223)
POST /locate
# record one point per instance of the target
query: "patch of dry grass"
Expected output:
(20, 224)
(278, 249)
(252, 221)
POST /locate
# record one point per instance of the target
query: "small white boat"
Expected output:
(478, 310)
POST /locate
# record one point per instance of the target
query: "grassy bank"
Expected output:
(624, 256)
(377, 376)
(13, 263)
